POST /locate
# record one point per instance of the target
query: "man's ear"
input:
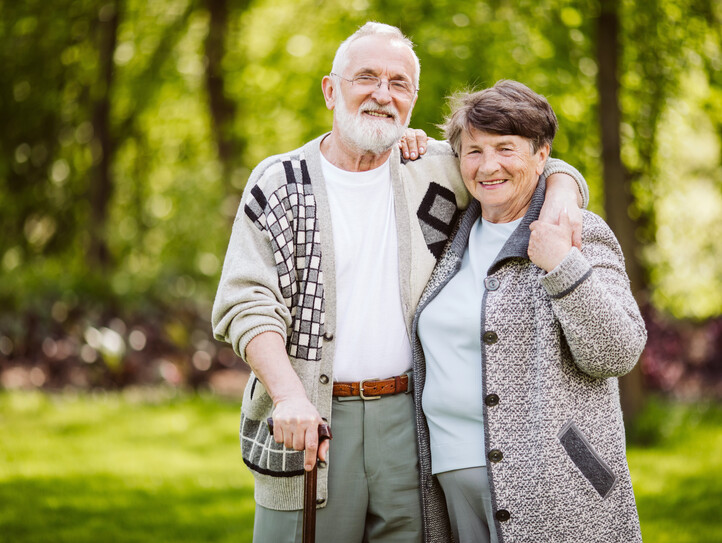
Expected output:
(542, 155)
(329, 92)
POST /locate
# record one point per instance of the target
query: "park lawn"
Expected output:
(159, 466)
(132, 467)
(677, 477)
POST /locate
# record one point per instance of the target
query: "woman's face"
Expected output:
(501, 172)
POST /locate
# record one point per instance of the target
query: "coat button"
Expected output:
(502, 515)
(491, 283)
(328, 336)
(495, 455)
(490, 337)
(491, 400)
(323, 379)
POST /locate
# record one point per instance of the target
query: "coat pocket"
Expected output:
(581, 452)
(257, 404)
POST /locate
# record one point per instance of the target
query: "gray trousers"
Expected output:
(373, 479)
(468, 500)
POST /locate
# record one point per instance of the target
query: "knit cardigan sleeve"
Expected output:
(592, 299)
(555, 165)
(249, 300)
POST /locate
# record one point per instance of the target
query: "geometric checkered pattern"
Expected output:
(437, 216)
(261, 453)
(289, 216)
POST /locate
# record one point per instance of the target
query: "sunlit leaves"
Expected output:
(174, 200)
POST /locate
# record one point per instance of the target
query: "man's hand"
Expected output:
(295, 419)
(413, 143)
(563, 193)
(550, 243)
(295, 424)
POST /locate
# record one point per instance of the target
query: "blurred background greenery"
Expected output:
(130, 128)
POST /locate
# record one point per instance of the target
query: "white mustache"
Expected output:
(372, 105)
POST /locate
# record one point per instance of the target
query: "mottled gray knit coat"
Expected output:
(553, 345)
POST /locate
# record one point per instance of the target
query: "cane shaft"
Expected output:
(309, 488)
(309, 506)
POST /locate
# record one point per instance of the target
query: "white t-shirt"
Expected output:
(371, 341)
(450, 333)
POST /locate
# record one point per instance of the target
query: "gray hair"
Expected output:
(340, 61)
(508, 108)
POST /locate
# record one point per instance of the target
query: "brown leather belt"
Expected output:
(373, 389)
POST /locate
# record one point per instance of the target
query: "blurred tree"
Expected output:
(130, 129)
(222, 108)
(617, 194)
(101, 186)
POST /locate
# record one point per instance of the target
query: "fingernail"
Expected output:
(421, 149)
(413, 155)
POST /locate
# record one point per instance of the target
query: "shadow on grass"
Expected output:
(108, 509)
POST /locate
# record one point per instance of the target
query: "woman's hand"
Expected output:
(550, 243)
(413, 143)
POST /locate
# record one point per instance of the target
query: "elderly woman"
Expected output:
(519, 339)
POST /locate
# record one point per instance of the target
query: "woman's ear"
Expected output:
(542, 154)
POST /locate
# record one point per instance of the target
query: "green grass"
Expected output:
(677, 477)
(122, 468)
(154, 467)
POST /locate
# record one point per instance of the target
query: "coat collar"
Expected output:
(517, 245)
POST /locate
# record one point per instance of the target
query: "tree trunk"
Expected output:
(221, 108)
(617, 195)
(101, 188)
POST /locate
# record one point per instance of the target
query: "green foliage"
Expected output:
(173, 197)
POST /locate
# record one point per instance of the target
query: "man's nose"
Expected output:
(382, 93)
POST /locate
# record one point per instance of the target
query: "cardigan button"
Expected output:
(502, 515)
(495, 455)
(328, 336)
(490, 337)
(491, 400)
(491, 283)
(323, 379)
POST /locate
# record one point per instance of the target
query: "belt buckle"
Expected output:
(361, 390)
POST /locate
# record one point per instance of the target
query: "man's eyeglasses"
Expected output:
(397, 87)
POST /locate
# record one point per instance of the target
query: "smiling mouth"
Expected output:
(379, 115)
(492, 183)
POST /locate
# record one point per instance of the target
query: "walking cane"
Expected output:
(309, 487)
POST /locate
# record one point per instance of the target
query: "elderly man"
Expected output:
(330, 251)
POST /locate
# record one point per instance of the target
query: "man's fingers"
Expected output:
(323, 450)
(577, 237)
(563, 217)
(411, 142)
(311, 449)
(574, 221)
(421, 141)
(404, 146)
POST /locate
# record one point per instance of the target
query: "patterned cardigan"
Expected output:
(552, 347)
(278, 275)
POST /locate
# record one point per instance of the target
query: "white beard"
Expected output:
(365, 133)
